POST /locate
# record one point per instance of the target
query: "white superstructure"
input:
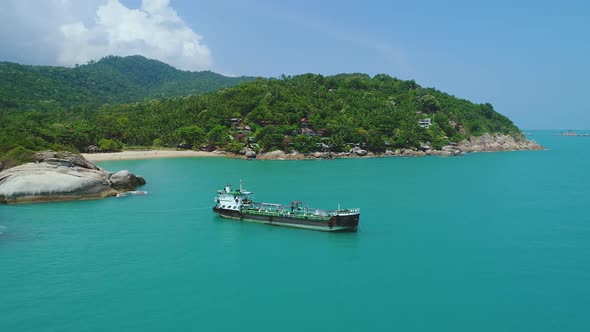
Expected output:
(232, 199)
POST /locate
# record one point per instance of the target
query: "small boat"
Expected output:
(238, 205)
(132, 192)
(137, 192)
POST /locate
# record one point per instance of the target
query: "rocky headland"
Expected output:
(59, 176)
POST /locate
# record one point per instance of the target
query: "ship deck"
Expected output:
(277, 210)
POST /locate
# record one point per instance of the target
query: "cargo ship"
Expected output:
(238, 204)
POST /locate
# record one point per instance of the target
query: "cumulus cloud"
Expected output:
(69, 32)
(154, 30)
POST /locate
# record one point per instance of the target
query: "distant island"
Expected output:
(132, 102)
(572, 133)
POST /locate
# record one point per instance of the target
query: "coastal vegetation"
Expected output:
(77, 110)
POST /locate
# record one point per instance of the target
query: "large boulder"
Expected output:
(272, 155)
(358, 151)
(56, 177)
(250, 154)
(425, 147)
(125, 180)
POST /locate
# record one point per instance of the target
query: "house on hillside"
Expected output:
(309, 132)
(425, 123)
(235, 122)
(305, 130)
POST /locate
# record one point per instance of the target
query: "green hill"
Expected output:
(376, 112)
(111, 80)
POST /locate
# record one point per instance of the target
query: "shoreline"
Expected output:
(148, 154)
(484, 143)
(164, 154)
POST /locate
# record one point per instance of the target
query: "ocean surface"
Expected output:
(484, 242)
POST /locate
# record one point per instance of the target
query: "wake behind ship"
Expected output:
(238, 204)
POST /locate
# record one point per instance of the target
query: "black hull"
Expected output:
(340, 223)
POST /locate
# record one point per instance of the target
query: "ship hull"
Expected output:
(339, 223)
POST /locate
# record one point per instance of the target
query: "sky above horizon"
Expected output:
(530, 59)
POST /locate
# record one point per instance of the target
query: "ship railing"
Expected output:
(348, 211)
(271, 205)
(270, 209)
(331, 212)
(278, 210)
(286, 214)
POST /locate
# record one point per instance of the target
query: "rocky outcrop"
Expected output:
(409, 153)
(484, 143)
(62, 176)
(447, 151)
(497, 142)
(294, 155)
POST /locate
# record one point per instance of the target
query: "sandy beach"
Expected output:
(149, 154)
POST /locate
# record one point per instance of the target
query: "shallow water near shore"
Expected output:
(484, 242)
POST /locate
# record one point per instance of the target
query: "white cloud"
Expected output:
(154, 31)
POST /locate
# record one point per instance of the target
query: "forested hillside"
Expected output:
(301, 113)
(112, 80)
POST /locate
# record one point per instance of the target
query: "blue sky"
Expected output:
(530, 59)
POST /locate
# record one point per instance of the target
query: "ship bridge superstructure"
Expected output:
(232, 199)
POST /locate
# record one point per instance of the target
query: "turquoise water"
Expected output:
(486, 242)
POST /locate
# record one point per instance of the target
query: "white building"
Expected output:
(425, 123)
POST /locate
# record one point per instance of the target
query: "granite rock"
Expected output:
(62, 176)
